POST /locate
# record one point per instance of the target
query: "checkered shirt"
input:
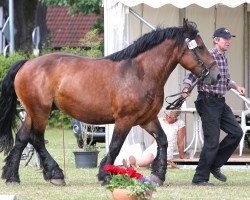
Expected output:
(225, 81)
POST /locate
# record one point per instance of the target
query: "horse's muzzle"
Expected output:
(212, 78)
(215, 81)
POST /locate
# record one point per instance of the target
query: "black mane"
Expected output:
(151, 39)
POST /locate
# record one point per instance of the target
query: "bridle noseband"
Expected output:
(192, 45)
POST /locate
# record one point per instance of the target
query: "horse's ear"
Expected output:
(185, 25)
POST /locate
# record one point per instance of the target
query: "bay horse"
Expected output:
(125, 88)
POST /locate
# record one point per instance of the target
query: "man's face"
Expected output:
(223, 44)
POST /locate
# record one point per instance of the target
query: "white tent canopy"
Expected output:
(183, 3)
(116, 27)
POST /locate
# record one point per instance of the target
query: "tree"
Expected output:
(27, 15)
(77, 7)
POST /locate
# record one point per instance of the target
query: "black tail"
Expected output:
(8, 111)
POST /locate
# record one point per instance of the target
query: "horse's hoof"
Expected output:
(156, 179)
(58, 182)
(104, 183)
(14, 183)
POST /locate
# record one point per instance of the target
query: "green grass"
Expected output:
(83, 184)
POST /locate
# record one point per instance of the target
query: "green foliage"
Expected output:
(91, 39)
(75, 51)
(7, 62)
(94, 42)
(99, 25)
(83, 7)
(120, 181)
(59, 119)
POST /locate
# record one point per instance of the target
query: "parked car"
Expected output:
(98, 134)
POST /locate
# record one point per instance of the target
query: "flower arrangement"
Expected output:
(134, 183)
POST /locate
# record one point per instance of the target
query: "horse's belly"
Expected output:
(92, 114)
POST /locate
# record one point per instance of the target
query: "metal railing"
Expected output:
(246, 100)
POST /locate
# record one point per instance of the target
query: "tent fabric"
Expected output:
(122, 28)
(183, 3)
(116, 17)
(115, 26)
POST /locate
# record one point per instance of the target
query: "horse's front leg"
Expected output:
(12, 161)
(119, 135)
(159, 165)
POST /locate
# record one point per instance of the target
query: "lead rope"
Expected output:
(178, 102)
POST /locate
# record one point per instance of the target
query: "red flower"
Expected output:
(110, 168)
(122, 171)
(119, 170)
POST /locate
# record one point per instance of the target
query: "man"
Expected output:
(215, 115)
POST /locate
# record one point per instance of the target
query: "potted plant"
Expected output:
(128, 184)
(86, 157)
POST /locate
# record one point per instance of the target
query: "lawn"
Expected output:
(83, 184)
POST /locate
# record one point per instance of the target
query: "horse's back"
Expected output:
(77, 85)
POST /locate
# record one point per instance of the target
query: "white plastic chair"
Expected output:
(244, 126)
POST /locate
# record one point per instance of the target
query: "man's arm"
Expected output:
(241, 90)
(187, 82)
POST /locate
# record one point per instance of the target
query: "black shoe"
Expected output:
(202, 183)
(217, 174)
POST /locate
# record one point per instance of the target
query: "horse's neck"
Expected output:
(160, 61)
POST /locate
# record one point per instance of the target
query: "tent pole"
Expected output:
(11, 17)
(141, 18)
(246, 50)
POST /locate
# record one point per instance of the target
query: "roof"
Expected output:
(183, 3)
(65, 29)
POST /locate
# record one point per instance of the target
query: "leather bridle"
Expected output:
(192, 45)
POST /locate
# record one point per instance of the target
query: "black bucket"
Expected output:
(86, 159)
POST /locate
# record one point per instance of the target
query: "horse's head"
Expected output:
(195, 57)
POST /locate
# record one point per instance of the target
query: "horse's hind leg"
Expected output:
(51, 170)
(12, 161)
(159, 165)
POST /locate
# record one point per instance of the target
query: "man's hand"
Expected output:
(185, 92)
(241, 90)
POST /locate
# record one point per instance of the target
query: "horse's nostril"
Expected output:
(218, 77)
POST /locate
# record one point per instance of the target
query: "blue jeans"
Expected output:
(215, 115)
